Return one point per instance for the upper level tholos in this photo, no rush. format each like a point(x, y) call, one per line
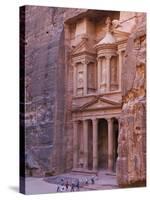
point(98, 46)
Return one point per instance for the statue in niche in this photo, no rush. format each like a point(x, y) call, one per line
point(113, 70)
point(114, 74)
point(103, 72)
point(91, 76)
point(108, 24)
point(79, 75)
point(80, 80)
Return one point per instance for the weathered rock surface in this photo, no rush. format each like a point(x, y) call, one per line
point(45, 87)
point(48, 97)
point(131, 162)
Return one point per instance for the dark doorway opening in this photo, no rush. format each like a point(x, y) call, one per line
point(115, 142)
point(102, 144)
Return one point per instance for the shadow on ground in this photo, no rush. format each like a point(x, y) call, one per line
point(14, 188)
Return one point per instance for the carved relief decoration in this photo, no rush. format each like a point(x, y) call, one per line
point(87, 80)
point(113, 73)
point(91, 77)
point(80, 78)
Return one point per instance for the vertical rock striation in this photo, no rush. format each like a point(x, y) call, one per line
point(46, 142)
point(131, 162)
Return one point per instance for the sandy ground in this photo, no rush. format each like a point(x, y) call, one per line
point(39, 186)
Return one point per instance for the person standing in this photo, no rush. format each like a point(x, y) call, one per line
point(86, 181)
point(92, 180)
point(62, 181)
point(72, 187)
point(58, 188)
point(78, 185)
point(67, 185)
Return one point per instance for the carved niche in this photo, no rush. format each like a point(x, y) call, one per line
point(103, 74)
point(80, 78)
point(113, 73)
point(91, 77)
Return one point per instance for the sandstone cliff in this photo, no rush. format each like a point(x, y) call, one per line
point(45, 139)
point(131, 162)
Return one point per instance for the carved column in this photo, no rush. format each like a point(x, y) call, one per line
point(120, 68)
point(74, 80)
point(95, 144)
point(110, 144)
point(108, 72)
point(85, 78)
point(85, 143)
point(98, 74)
point(75, 144)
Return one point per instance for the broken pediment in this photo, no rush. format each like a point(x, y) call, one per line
point(120, 35)
point(114, 33)
point(83, 47)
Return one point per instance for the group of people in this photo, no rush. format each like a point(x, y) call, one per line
point(65, 186)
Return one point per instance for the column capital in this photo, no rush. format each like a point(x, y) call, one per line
point(108, 57)
point(109, 120)
point(99, 58)
point(85, 62)
point(117, 117)
point(119, 52)
point(94, 120)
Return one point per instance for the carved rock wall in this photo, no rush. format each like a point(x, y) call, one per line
point(49, 89)
point(131, 162)
point(45, 138)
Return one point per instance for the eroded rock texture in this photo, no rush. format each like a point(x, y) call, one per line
point(45, 138)
point(49, 91)
point(131, 162)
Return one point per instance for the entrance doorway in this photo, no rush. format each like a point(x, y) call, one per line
point(103, 143)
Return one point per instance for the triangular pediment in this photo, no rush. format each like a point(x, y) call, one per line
point(99, 103)
point(82, 47)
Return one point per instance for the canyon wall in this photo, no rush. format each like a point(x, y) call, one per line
point(131, 162)
point(49, 91)
point(45, 138)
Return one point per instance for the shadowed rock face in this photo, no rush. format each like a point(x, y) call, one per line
point(131, 162)
point(45, 86)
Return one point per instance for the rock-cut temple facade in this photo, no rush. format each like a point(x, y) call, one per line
point(85, 95)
